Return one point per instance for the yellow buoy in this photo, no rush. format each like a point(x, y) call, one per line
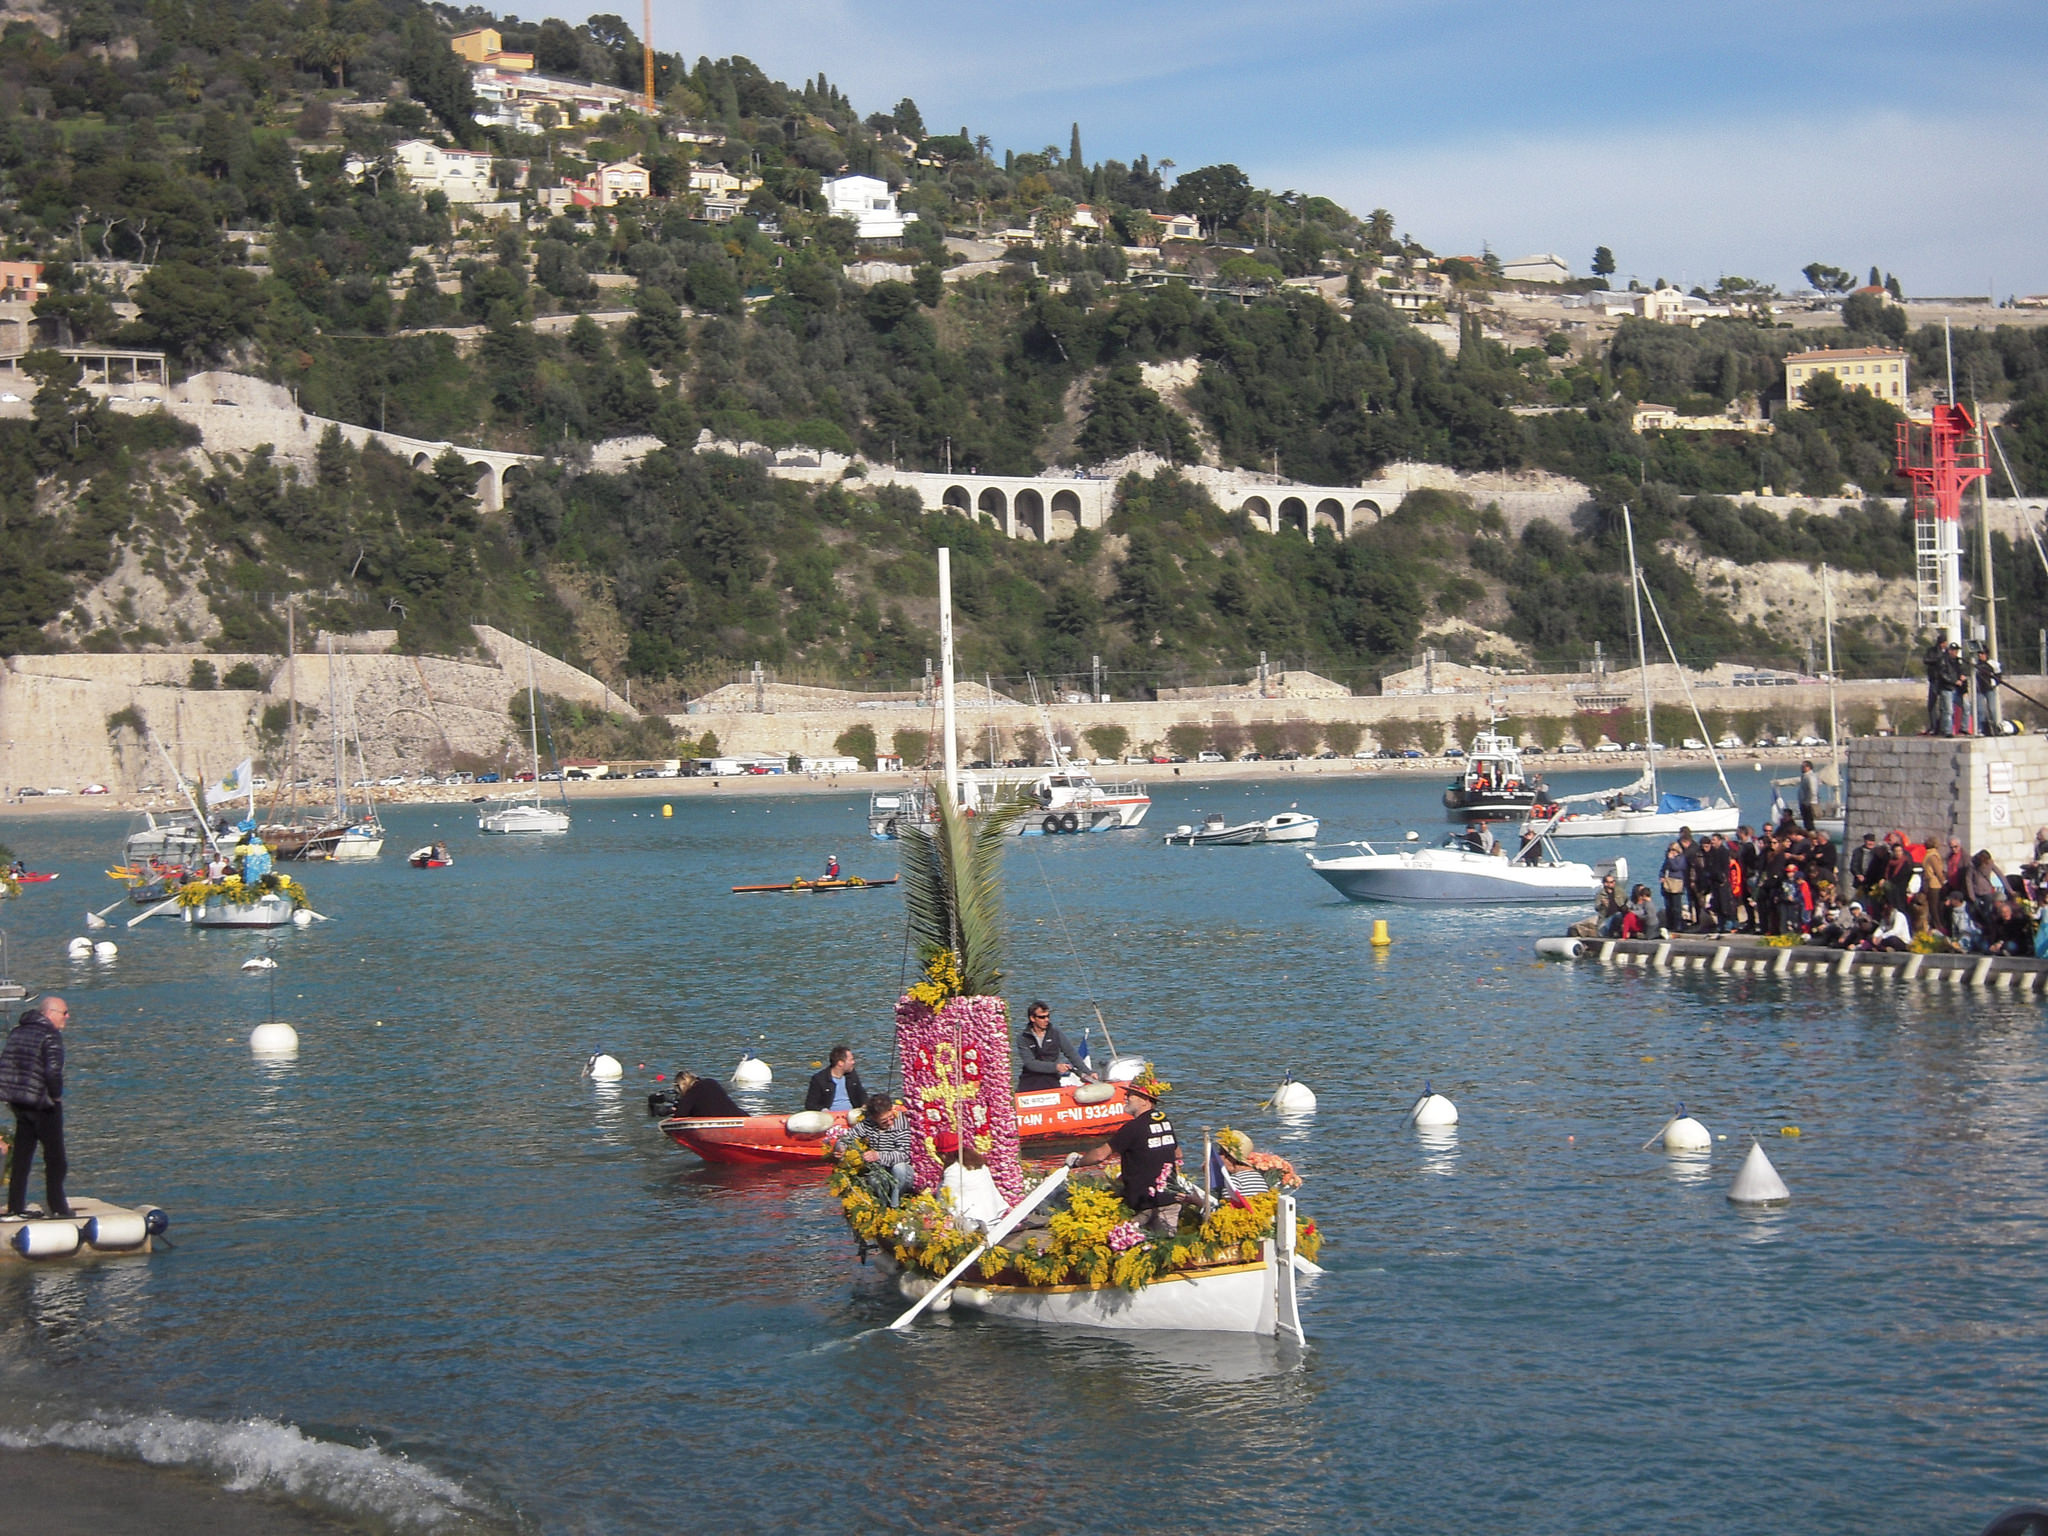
point(667, 809)
point(1788, 1130)
point(1380, 937)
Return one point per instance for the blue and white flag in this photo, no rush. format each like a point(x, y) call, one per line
point(236, 783)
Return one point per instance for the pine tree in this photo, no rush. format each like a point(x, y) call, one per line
point(1074, 160)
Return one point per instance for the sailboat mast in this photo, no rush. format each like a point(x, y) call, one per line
point(1827, 609)
point(1635, 592)
point(532, 715)
point(951, 747)
point(340, 750)
point(291, 673)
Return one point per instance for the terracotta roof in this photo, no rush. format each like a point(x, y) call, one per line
point(1847, 354)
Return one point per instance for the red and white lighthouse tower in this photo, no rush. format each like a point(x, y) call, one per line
point(1940, 459)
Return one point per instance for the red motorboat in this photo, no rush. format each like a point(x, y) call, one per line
point(1052, 1115)
point(30, 877)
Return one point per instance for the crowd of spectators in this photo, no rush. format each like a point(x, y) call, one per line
point(1789, 883)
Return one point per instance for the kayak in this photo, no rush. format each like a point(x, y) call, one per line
point(29, 877)
point(1047, 1116)
point(850, 883)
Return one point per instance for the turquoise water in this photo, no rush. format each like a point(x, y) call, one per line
point(428, 1277)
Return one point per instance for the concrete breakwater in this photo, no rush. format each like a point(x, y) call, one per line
point(69, 721)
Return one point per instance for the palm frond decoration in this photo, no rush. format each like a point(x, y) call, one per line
point(953, 896)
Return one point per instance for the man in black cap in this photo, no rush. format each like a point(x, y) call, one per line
point(1150, 1157)
point(1952, 675)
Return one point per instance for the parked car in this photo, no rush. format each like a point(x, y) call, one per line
point(646, 773)
point(1812, 741)
point(1570, 746)
point(56, 791)
point(1730, 742)
point(1454, 751)
point(94, 789)
point(1323, 757)
point(1693, 744)
point(26, 792)
point(1208, 757)
point(392, 781)
point(523, 776)
point(1411, 752)
point(554, 776)
point(1289, 756)
point(1608, 746)
point(1533, 751)
point(487, 778)
point(1251, 757)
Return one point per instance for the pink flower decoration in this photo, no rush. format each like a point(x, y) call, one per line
point(1125, 1234)
point(956, 1070)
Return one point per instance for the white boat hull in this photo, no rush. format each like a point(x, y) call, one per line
point(1720, 817)
point(1452, 876)
point(356, 848)
point(265, 912)
point(1243, 1298)
point(517, 820)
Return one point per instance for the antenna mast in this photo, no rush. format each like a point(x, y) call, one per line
point(647, 49)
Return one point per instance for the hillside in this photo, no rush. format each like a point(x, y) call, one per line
point(222, 184)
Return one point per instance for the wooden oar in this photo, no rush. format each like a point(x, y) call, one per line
point(996, 1234)
point(162, 906)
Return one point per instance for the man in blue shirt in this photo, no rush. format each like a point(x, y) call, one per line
point(838, 1085)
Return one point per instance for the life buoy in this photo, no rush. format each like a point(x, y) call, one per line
point(1050, 825)
point(1070, 822)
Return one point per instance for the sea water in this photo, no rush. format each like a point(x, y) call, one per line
point(428, 1277)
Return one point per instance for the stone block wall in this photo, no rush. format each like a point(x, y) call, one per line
point(1992, 792)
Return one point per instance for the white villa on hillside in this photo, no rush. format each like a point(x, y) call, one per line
point(868, 201)
point(1545, 268)
point(460, 175)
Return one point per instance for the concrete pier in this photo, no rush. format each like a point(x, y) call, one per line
point(1744, 956)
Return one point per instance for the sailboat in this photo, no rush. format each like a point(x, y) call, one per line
point(1642, 809)
point(524, 814)
point(339, 837)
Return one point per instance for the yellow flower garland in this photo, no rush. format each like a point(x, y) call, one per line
point(231, 889)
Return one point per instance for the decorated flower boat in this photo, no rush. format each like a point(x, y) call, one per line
point(1067, 1251)
point(272, 900)
point(1087, 1110)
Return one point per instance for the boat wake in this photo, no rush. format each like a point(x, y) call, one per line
point(256, 1455)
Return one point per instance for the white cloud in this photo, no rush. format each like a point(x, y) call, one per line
point(1947, 206)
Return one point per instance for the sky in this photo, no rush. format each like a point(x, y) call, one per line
point(1745, 137)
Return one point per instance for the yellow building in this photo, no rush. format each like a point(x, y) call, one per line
point(485, 45)
point(1880, 370)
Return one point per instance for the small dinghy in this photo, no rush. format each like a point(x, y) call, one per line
point(1214, 832)
point(1072, 1112)
point(433, 856)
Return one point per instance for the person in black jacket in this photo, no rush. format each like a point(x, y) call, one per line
point(838, 1086)
point(1045, 1051)
point(703, 1098)
point(32, 1081)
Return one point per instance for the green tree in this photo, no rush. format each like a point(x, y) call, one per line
point(1823, 278)
point(909, 121)
point(1125, 415)
point(66, 416)
point(1187, 738)
point(1603, 261)
point(1430, 734)
point(1394, 735)
point(1343, 736)
point(1549, 731)
point(857, 741)
point(1106, 740)
point(203, 676)
point(197, 312)
point(912, 746)
point(1215, 194)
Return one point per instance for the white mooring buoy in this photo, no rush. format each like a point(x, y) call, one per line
point(1292, 1098)
point(106, 949)
point(259, 963)
point(1433, 1110)
point(1758, 1182)
point(605, 1068)
point(274, 1039)
point(752, 1072)
point(79, 948)
point(1682, 1133)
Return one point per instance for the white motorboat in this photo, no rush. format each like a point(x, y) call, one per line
point(362, 841)
point(176, 837)
point(1216, 832)
point(1460, 873)
point(1070, 800)
point(1492, 782)
point(521, 814)
point(1641, 809)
